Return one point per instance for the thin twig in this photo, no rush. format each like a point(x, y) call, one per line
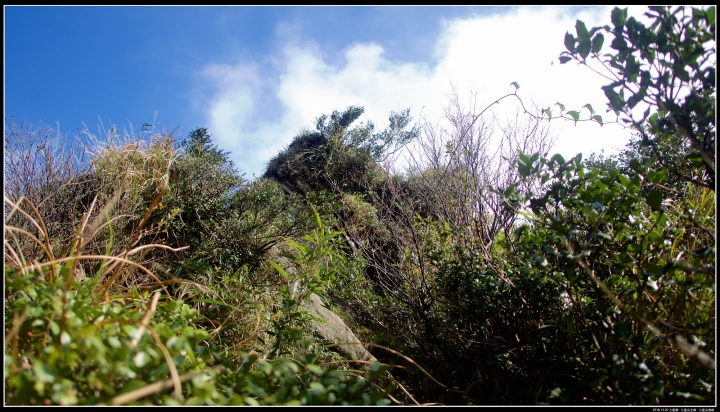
point(416, 365)
point(402, 388)
point(158, 386)
point(252, 335)
point(145, 320)
point(31, 236)
point(102, 257)
point(17, 321)
point(168, 359)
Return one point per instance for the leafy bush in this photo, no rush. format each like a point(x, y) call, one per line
point(670, 67)
point(55, 327)
point(637, 274)
point(143, 346)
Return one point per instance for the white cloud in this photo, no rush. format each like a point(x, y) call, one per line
point(485, 52)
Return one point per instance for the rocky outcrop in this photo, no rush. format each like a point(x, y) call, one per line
point(333, 328)
point(336, 331)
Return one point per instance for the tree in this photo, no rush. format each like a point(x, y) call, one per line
point(336, 157)
point(670, 66)
point(636, 266)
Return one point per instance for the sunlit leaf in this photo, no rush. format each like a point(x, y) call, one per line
point(141, 359)
point(540, 260)
point(574, 114)
point(603, 235)
point(43, 372)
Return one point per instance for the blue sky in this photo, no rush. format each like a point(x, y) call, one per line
point(255, 76)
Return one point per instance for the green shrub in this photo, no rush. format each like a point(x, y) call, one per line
point(637, 273)
point(141, 347)
point(67, 347)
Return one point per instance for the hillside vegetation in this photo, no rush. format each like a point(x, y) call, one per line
point(144, 269)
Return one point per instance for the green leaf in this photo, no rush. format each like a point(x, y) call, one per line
point(597, 43)
point(636, 165)
point(632, 68)
point(558, 158)
point(43, 372)
point(65, 338)
point(548, 112)
point(559, 227)
point(281, 271)
point(555, 393)
point(523, 157)
point(710, 16)
point(314, 369)
point(680, 72)
point(114, 342)
point(619, 16)
point(584, 48)
point(582, 31)
point(589, 107)
point(598, 119)
point(251, 401)
point(519, 231)
point(54, 328)
point(659, 176)
point(624, 180)
point(141, 359)
point(540, 260)
point(562, 106)
point(616, 101)
point(574, 114)
point(517, 86)
point(590, 213)
point(654, 200)
point(619, 44)
point(132, 385)
point(564, 59)
point(604, 235)
point(570, 42)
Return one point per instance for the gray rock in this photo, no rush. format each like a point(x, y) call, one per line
point(336, 331)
